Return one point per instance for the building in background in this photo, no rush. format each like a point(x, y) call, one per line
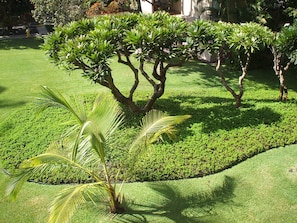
point(200, 9)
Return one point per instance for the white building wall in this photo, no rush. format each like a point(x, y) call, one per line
point(190, 8)
point(147, 6)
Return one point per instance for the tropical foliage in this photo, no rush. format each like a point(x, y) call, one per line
point(13, 12)
point(284, 50)
point(227, 39)
point(273, 13)
point(91, 132)
point(59, 12)
point(88, 45)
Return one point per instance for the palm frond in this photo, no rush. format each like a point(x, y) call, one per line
point(80, 140)
point(97, 126)
point(155, 124)
point(39, 164)
point(104, 119)
point(65, 204)
point(106, 116)
point(53, 98)
point(16, 183)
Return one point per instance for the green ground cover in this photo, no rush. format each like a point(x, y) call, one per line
point(261, 189)
point(216, 137)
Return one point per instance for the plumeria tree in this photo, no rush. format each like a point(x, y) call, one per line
point(92, 132)
point(88, 45)
point(284, 50)
point(224, 39)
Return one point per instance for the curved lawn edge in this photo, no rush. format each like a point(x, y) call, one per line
point(261, 188)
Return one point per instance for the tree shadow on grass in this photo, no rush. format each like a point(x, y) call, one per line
point(173, 206)
point(21, 44)
point(218, 113)
point(2, 89)
point(7, 103)
point(204, 72)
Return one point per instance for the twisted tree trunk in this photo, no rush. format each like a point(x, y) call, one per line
point(279, 70)
point(244, 67)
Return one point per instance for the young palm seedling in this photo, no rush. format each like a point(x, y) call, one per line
point(93, 133)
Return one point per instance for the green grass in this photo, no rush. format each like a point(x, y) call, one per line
point(24, 67)
point(217, 136)
point(261, 189)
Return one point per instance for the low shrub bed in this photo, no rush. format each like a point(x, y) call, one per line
point(217, 136)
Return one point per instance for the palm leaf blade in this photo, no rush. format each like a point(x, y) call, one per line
point(156, 123)
point(65, 204)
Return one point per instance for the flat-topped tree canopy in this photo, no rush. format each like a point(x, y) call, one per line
point(89, 44)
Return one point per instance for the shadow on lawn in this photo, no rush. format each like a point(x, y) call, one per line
point(217, 112)
point(20, 44)
point(198, 207)
point(210, 78)
point(2, 89)
point(6, 103)
point(206, 74)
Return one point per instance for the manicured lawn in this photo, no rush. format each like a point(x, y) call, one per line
point(23, 68)
point(260, 189)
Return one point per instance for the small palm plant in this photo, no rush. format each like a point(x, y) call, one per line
point(92, 131)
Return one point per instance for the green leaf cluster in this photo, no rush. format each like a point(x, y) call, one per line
point(89, 44)
point(222, 37)
point(286, 42)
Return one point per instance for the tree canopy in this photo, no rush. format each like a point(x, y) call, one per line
point(272, 13)
point(89, 45)
point(59, 12)
point(225, 39)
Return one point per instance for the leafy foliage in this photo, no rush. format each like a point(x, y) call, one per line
point(13, 12)
point(284, 51)
point(273, 13)
point(286, 42)
point(91, 132)
point(89, 44)
point(225, 39)
point(215, 138)
point(59, 12)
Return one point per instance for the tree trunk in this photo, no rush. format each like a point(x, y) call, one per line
point(115, 205)
point(224, 82)
point(238, 101)
point(244, 67)
point(119, 96)
point(283, 91)
point(158, 84)
point(279, 70)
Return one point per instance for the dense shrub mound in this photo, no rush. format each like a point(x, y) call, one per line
point(215, 138)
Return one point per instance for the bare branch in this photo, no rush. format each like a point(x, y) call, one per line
point(147, 77)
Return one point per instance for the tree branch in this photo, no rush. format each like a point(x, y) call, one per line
point(135, 71)
point(147, 77)
point(223, 80)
